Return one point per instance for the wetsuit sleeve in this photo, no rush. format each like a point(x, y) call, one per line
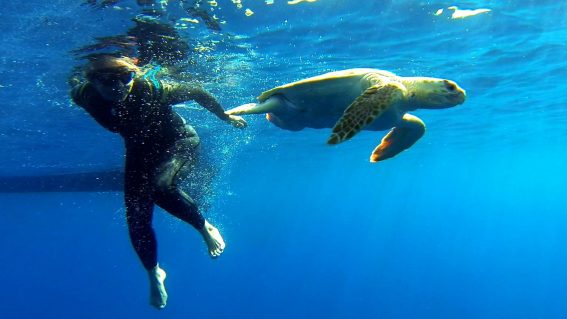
point(174, 93)
point(83, 96)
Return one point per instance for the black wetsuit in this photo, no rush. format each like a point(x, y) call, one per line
point(160, 150)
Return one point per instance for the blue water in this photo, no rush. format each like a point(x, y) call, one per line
point(468, 223)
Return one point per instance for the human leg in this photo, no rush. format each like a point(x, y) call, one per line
point(139, 212)
point(176, 166)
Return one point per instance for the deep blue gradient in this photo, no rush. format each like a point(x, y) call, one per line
point(468, 223)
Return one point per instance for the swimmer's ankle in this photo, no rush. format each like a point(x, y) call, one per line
point(206, 226)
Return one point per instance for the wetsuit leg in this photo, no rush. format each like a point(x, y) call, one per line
point(139, 209)
point(176, 165)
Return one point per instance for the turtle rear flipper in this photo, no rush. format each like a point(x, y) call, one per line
point(399, 138)
point(365, 108)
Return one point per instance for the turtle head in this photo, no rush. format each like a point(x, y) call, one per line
point(433, 93)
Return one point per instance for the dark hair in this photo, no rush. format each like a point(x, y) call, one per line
point(108, 62)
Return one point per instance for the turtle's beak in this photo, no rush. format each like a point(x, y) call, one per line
point(456, 93)
point(452, 95)
point(459, 96)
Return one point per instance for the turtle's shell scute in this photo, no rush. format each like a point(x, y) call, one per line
point(324, 84)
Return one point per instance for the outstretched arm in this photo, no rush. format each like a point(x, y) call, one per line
point(174, 93)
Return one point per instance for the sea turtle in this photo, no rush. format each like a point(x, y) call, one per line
point(355, 99)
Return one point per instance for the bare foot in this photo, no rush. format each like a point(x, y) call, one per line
point(158, 295)
point(213, 239)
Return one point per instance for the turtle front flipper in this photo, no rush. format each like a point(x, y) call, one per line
point(249, 108)
point(269, 105)
point(365, 108)
point(399, 138)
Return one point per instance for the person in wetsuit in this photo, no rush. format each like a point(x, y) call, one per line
point(160, 151)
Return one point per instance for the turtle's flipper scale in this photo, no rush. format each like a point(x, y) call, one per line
point(365, 108)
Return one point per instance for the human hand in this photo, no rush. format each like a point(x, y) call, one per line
point(237, 121)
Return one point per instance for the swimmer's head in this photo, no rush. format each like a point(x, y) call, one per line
point(113, 77)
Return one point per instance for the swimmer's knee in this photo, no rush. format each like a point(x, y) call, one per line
point(165, 184)
point(165, 180)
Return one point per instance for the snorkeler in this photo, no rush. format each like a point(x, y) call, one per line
point(161, 149)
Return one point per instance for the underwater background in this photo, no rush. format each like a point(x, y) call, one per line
point(468, 223)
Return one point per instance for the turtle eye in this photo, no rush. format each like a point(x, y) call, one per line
point(450, 86)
